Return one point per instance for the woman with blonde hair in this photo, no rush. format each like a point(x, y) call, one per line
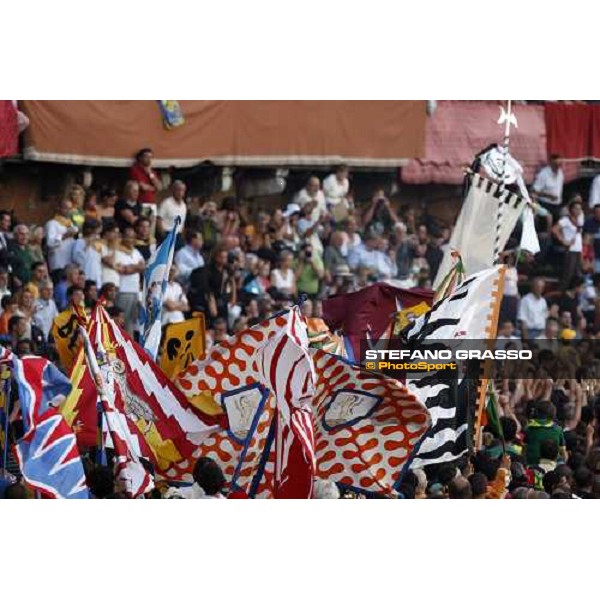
point(76, 195)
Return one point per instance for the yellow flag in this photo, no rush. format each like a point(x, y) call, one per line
point(182, 344)
point(66, 337)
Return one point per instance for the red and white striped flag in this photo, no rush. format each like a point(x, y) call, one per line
point(163, 427)
point(262, 379)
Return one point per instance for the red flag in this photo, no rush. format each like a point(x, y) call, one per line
point(369, 312)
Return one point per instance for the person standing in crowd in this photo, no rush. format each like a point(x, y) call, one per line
point(370, 258)
point(72, 276)
point(20, 255)
point(5, 229)
point(87, 252)
point(76, 195)
point(591, 227)
point(111, 241)
point(145, 243)
point(175, 302)
point(548, 185)
point(333, 257)
point(209, 227)
point(310, 272)
point(212, 288)
point(39, 277)
point(129, 208)
point(129, 263)
point(568, 233)
point(105, 210)
point(148, 180)
point(283, 279)
point(533, 311)
point(510, 300)
point(170, 208)
point(45, 310)
point(336, 188)
point(190, 256)
point(312, 195)
point(60, 237)
point(380, 217)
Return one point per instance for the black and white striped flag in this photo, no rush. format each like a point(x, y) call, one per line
point(469, 313)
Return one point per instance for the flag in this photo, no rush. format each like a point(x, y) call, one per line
point(369, 312)
point(49, 459)
point(135, 481)
point(171, 113)
point(319, 336)
point(492, 413)
point(182, 344)
point(454, 278)
point(166, 427)
point(156, 278)
point(41, 386)
point(65, 334)
point(47, 453)
point(366, 425)
point(262, 380)
point(529, 238)
point(471, 312)
point(479, 234)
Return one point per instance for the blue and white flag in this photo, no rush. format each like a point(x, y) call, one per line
point(156, 278)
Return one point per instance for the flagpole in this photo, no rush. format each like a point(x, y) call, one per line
point(508, 119)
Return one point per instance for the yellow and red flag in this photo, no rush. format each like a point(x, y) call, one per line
point(166, 427)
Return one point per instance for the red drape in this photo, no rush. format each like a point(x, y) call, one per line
point(573, 130)
point(9, 134)
point(568, 129)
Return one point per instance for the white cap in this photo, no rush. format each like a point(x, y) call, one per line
point(291, 209)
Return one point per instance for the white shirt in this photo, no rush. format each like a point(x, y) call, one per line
point(45, 312)
point(587, 301)
point(511, 279)
point(175, 293)
point(570, 231)
point(109, 275)
point(282, 282)
point(89, 259)
point(59, 249)
point(168, 210)
point(533, 311)
point(187, 259)
point(303, 198)
point(595, 191)
point(335, 191)
point(375, 260)
point(130, 284)
point(549, 181)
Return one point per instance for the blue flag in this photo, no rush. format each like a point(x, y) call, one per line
point(156, 278)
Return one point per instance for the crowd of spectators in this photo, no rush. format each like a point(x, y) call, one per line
point(234, 263)
point(238, 264)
